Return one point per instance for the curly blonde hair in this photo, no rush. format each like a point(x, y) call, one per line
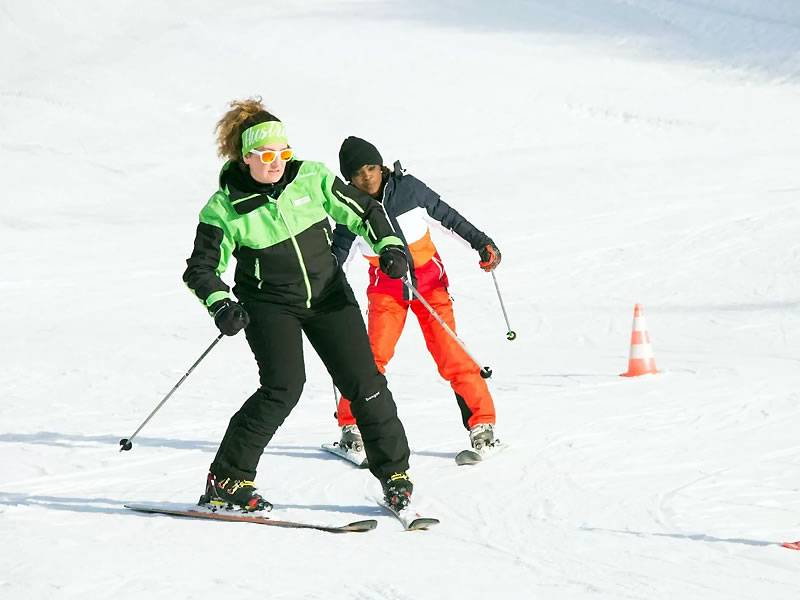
point(242, 115)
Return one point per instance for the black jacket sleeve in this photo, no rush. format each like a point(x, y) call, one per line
point(448, 216)
point(201, 271)
point(371, 220)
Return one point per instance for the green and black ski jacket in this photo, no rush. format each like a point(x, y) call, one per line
point(279, 234)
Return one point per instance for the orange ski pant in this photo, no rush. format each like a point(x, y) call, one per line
point(386, 318)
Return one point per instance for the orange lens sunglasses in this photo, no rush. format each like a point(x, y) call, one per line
point(269, 156)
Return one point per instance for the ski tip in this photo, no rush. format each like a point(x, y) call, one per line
point(791, 545)
point(468, 457)
point(410, 518)
point(422, 523)
point(365, 525)
point(471, 456)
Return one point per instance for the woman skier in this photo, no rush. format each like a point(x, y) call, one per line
point(271, 213)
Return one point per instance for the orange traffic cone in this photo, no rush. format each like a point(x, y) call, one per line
point(641, 361)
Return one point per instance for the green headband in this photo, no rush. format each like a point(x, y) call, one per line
point(271, 132)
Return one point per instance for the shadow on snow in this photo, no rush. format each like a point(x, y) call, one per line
point(72, 440)
point(109, 506)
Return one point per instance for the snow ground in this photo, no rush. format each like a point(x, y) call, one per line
point(617, 151)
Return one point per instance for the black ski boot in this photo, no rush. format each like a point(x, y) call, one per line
point(226, 493)
point(397, 491)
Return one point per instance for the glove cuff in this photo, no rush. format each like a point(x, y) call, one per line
point(218, 306)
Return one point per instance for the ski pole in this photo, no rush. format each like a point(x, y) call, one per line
point(125, 443)
point(510, 334)
point(335, 400)
point(486, 372)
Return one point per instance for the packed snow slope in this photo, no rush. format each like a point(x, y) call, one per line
point(618, 152)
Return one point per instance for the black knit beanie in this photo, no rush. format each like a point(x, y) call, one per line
point(354, 154)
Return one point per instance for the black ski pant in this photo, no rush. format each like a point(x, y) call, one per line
point(336, 330)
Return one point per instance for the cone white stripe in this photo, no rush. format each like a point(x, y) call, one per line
point(641, 351)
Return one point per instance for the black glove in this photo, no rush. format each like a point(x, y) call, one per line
point(394, 262)
point(230, 317)
point(490, 257)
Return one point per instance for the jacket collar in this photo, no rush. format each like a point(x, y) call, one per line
point(245, 193)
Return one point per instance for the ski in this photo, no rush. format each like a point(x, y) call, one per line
point(199, 512)
point(357, 458)
point(791, 545)
point(472, 456)
point(410, 518)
